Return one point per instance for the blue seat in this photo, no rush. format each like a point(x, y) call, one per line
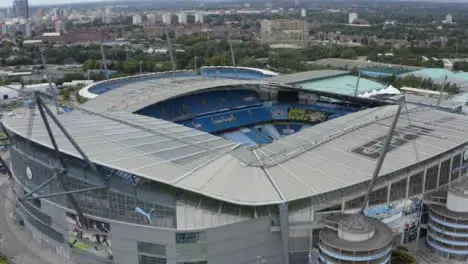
point(258, 137)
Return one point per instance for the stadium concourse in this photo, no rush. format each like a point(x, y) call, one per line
point(222, 170)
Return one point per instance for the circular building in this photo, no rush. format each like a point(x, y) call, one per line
point(357, 239)
point(447, 232)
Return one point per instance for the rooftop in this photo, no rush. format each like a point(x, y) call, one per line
point(381, 239)
point(311, 162)
point(134, 96)
point(357, 223)
point(342, 85)
point(307, 76)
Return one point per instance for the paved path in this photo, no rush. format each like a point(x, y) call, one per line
point(17, 243)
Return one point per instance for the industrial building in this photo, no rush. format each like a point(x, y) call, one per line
point(266, 172)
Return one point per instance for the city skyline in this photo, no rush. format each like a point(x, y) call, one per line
point(65, 2)
point(52, 2)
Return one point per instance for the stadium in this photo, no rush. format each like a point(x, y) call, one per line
point(182, 168)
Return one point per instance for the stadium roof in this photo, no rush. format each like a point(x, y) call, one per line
point(306, 76)
point(262, 71)
point(332, 155)
point(342, 85)
point(134, 96)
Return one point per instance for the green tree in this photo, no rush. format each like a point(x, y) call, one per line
point(400, 256)
point(348, 54)
point(91, 65)
point(218, 60)
point(80, 99)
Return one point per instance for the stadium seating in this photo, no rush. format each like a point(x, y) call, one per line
point(233, 119)
point(256, 136)
point(230, 73)
point(240, 115)
point(288, 129)
point(204, 103)
point(269, 130)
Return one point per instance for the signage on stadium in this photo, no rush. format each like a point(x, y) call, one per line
point(306, 115)
point(279, 113)
point(224, 119)
point(401, 136)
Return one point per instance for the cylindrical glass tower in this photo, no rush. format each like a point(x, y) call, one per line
point(447, 233)
point(358, 239)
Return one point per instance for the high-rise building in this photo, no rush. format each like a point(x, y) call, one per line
point(21, 8)
point(448, 18)
point(167, 18)
point(58, 26)
point(137, 20)
point(199, 18)
point(287, 32)
point(27, 30)
point(4, 28)
point(303, 12)
point(352, 17)
point(153, 18)
point(3, 13)
point(182, 17)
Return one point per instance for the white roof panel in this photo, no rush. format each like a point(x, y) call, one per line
point(336, 154)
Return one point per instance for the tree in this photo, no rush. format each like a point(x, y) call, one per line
point(348, 54)
point(91, 65)
point(400, 256)
point(217, 60)
point(460, 66)
point(80, 99)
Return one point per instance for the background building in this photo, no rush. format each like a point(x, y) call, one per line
point(182, 17)
point(286, 32)
point(448, 19)
point(21, 8)
point(199, 18)
point(153, 18)
point(352, 17)
point(167, 18)
point(137, 20)
point(303, 12)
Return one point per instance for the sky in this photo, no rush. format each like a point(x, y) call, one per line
point(6, 3)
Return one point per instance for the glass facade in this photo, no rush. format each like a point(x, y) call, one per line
point(150, 253)
point(190, 238)
point(431, 178)
point(108, 203)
